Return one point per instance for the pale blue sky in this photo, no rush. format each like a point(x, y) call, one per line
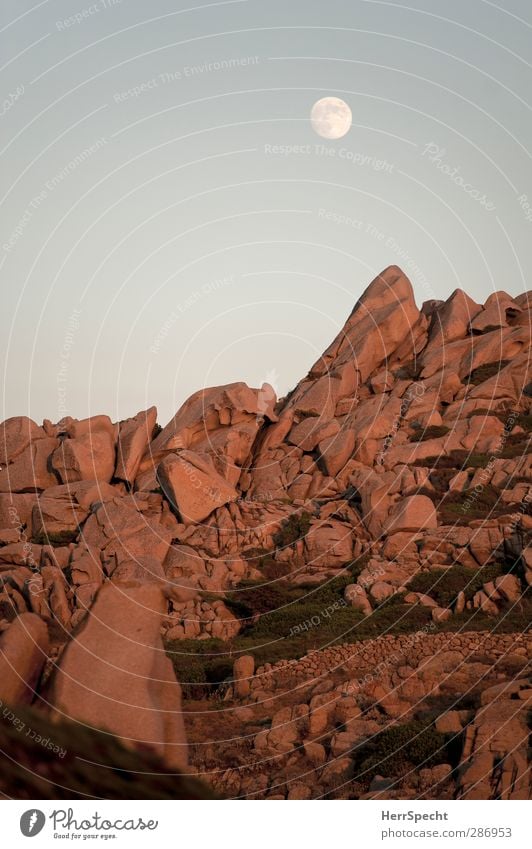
point(152, 243)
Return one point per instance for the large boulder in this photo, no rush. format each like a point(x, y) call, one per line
point(134, 437)
point(23, 652)
point(221, 422)
point(90, 456)
point(121, 532)
point(30, 470)
point(115, 674)
point(16, 509)
point(193, 486)
point(328, 544)
point(243, 669)
point(415, 513)
point(15, 436)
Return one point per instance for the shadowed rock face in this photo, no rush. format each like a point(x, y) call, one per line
point(115, 674)
point(77, 762)
point(391, 486)
point(23, 652)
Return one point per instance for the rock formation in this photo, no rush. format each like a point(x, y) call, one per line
point(387, 495)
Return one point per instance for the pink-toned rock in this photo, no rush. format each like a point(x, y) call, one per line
point(90, 456)
point(415, 513)
point(16, 509)
point(21, 554)
point(16, 434)
point(116, 676)
point(328, 544)
point(451, 321)
point(380, 591)
point(509, 587)
point(498, 309)
point(57, 514)
point(121, 532)
point(193, 486)
point(400, 545)
point(30, 470)
point(134, 437)
point(222, 422)
point(484, 542)
point(243, 669)
point(356, 597)
point(441, 614)
point(78, 428)
point(312, 430)
point(23, 652)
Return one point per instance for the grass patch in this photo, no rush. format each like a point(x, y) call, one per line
point(443, 585)
point(515, 619)
point(398, 749)
point(471, 504)
point(456, 460)
point(308, 619)
point(56, 539)
point(516, 445)
point(482, 373)
point(432, 432)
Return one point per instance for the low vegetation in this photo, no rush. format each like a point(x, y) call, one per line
point(294, 528)
point(81, 761)
point(484, 372)
point(399, 749)
point(443, 585)
point(431, 432)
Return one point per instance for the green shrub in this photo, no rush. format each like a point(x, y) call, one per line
point(525, 421)
point(472, 504)
point(512, 620)
point(400, 748)
point(294, 528)
point(443, 585)
point(408, 371)
point(57, 538)
point(482, 373)
point(432, 432)
point(312, 621)
point(457, 460)
point(516, 445)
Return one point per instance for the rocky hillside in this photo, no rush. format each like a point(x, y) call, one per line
point(339, 579)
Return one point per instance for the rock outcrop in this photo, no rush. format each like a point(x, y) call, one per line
point(115, 675)
point(387, 496)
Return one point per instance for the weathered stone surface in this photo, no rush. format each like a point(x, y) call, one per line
point(16, 434)
point(243, 669)
point(30, 471)
point(134, 437)
point(16, 509)
point(414, 513)
point(193, 486)
point(90, 456)
point(116, 676)
point(221, 422)
point(23, 652)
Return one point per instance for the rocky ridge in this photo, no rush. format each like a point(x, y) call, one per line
point(388, 493)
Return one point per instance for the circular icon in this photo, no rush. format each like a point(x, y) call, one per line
point(32, 822)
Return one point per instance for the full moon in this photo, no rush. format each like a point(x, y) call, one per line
point(331, 118)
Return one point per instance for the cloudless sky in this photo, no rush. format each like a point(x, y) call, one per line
point(170, 220)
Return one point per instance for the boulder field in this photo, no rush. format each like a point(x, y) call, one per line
point(396, 476)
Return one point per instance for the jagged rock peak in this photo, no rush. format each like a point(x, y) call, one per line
point(391, 286)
